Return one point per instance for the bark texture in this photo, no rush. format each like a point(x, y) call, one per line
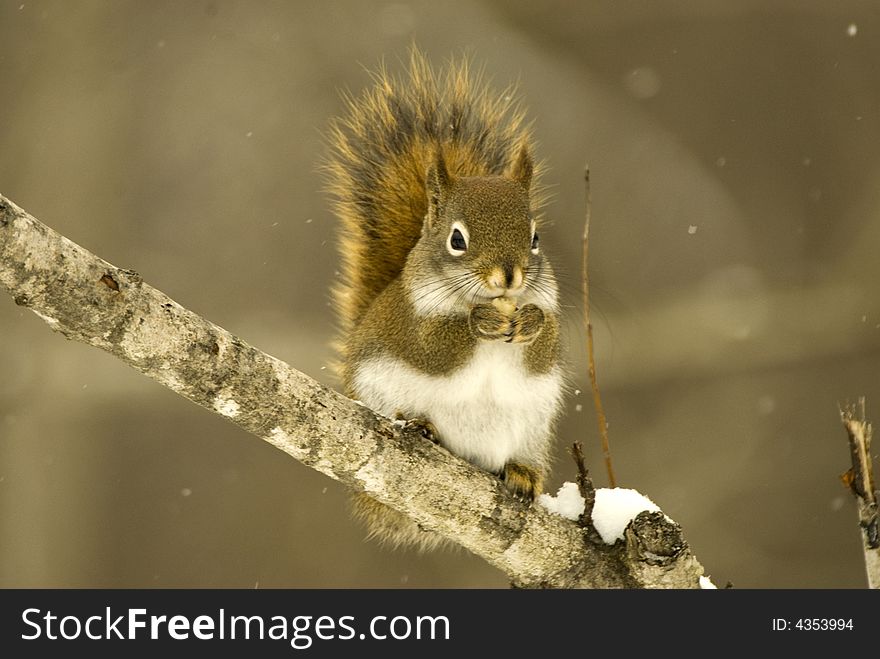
point(87, 299)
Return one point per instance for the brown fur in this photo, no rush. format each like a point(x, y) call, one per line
point(380, 152)
point(413, 155)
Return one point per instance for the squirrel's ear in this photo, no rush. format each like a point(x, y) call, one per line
point(521, 170)
point(437, 183)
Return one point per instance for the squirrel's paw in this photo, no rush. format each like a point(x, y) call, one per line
point(523, 481)
point(528, 322)
point(488, 322)
point(424, 427)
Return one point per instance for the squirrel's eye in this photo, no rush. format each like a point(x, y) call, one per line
point(535, 243)
point(457, 242)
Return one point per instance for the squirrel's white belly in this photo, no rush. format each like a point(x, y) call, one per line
point(489, 411)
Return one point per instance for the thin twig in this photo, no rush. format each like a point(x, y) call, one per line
point(594, 384)
point(585, 485)
point(860, 480)
point(90, 300)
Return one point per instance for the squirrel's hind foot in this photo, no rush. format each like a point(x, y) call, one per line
point(523, 481)
point(421, 425)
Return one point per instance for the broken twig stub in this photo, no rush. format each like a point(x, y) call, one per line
point(860, 480)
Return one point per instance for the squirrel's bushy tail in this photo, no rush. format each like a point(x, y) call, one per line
point(379, 154)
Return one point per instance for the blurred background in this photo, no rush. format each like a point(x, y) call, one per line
point(736, 222)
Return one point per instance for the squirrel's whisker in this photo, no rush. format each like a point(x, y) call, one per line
point(436, 188)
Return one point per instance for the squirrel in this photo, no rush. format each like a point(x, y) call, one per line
point(448, 307)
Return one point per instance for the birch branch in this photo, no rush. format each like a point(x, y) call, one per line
point(87, 299)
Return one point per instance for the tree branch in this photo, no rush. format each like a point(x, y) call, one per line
point(89, 300)
point(591, 358)
point(860, 479)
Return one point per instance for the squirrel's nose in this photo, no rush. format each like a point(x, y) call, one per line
point(513, 276)
point(508, 276)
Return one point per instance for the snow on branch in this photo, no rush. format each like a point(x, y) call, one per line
point(87, 299)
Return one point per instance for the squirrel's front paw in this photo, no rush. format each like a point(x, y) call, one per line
point(523, 481)
point(488, 322)
point(528, 322)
